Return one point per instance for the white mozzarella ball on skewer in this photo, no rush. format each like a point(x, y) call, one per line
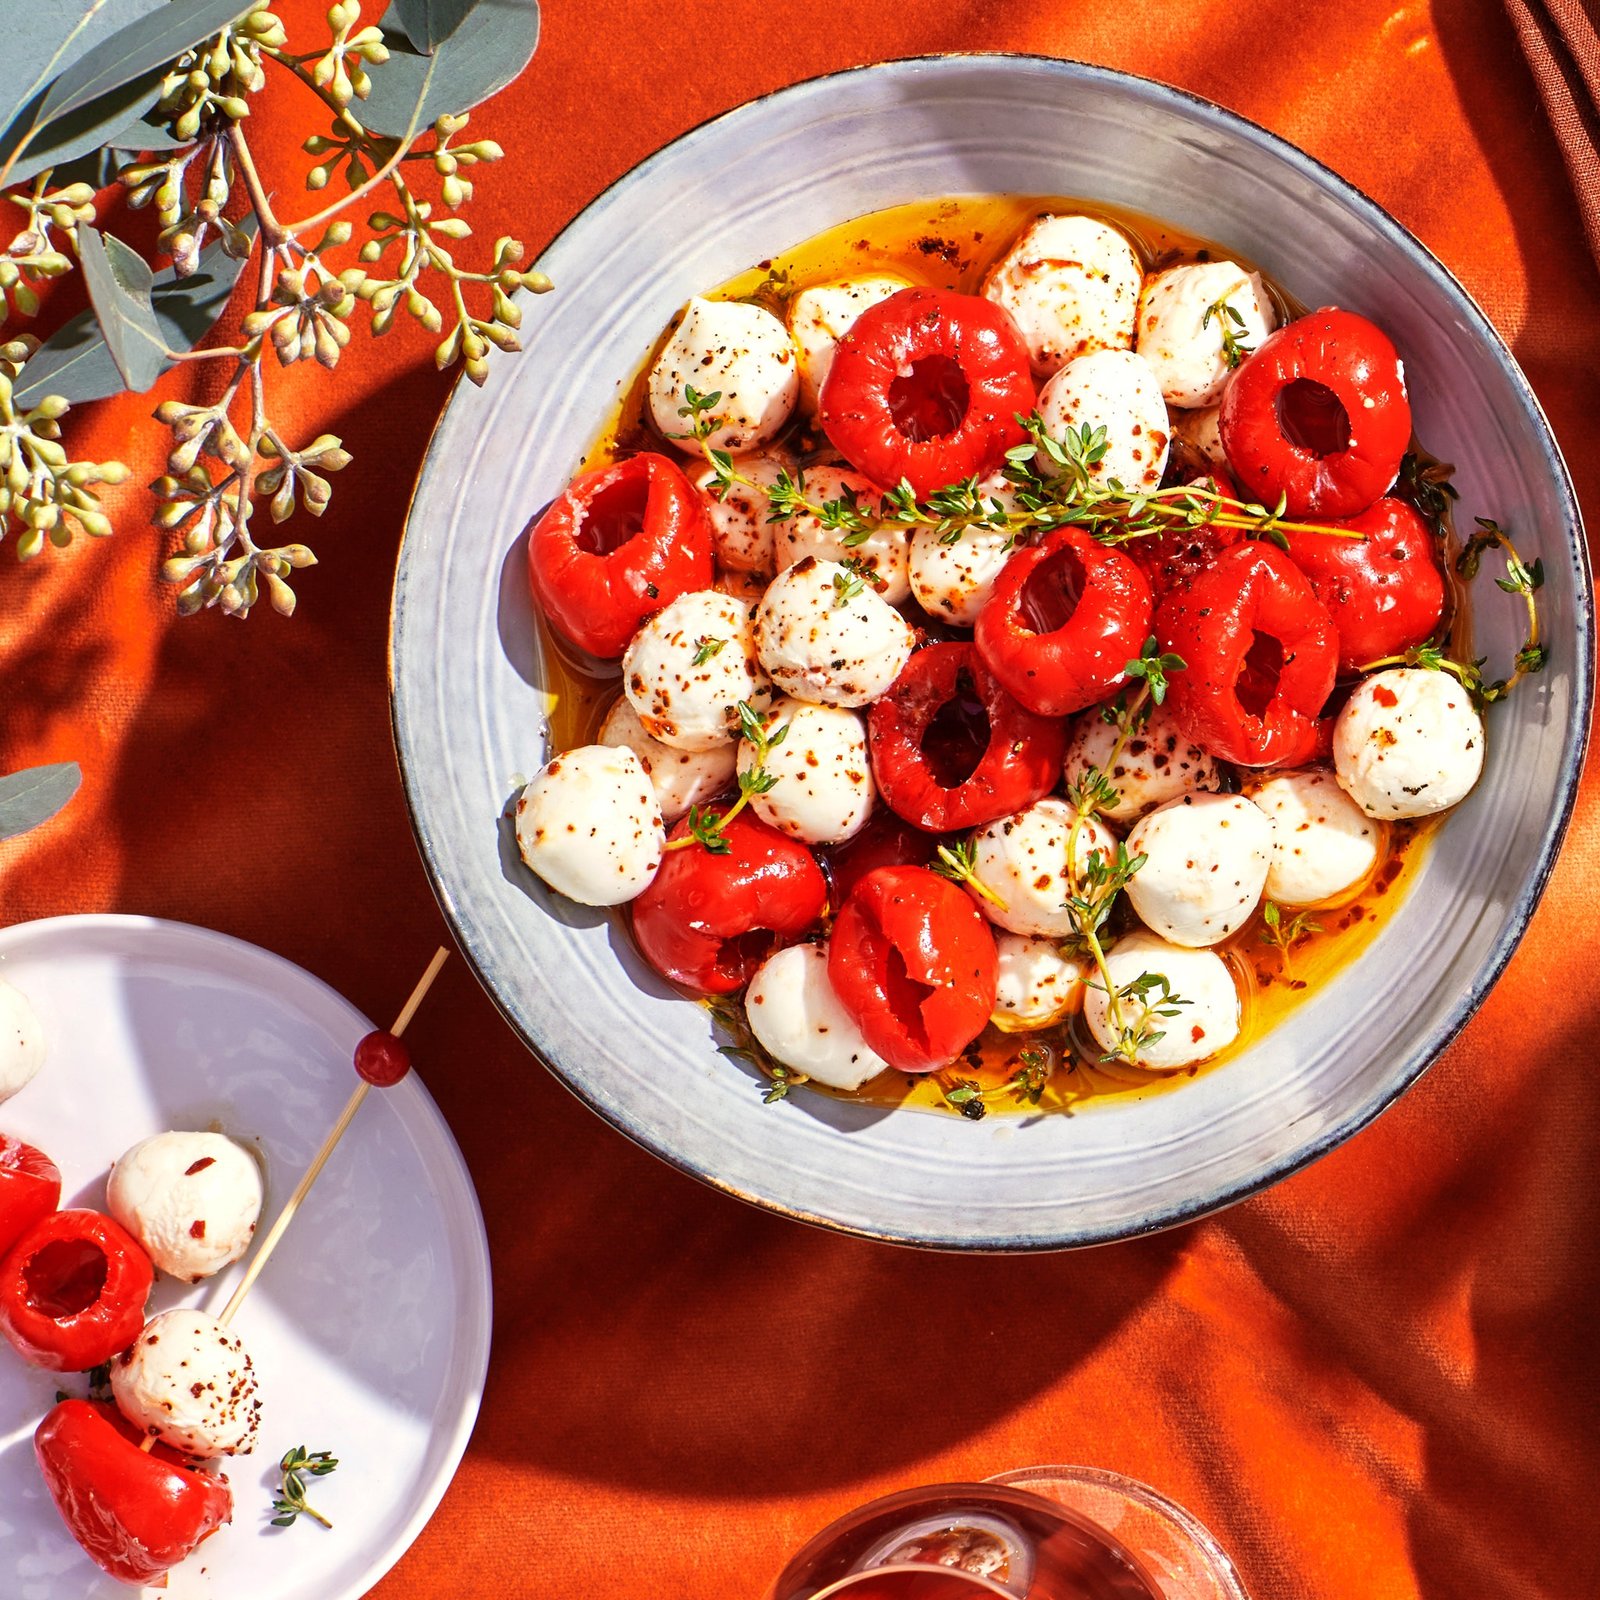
point(1206, 1022)
point(1071, 285)
point(1408, 743)
point(680, 778)
point(821, 315)
point(739, 352)
point(1206, 862)
point(881, 555)
point(824, 635)
point(822, 790)
point(793, 1010)
point(191, 1199)
point(741, 535)
point(1117, 391)
point(1038, 986)
point(589, 824)
point(1022, 861)
point(1157, 764)
point(1189, 315)
point(1323, 843)
point(22, 1047)
point(688, 667)
point(189, 1381)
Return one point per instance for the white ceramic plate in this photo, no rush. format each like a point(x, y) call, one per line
point(370, 1326)
point(470, 707)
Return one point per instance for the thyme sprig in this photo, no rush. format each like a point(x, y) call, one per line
point(1068, 494)
point(1092, 889)
point(958, 863)
point(296, 1466)
point(1152, 1000)
point(1228, 319)
point(1026, 1085)
point(1283, 933)
point(1522, 578)
point(778, 1079)
point(707, 826)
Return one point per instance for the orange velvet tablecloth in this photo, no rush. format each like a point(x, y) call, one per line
point(1377, 1380)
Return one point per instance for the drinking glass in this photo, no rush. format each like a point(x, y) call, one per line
point(1045, 1533)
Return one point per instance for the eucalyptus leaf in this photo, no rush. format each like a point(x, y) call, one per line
point(100, 166)
point(75, 362)
point(119, 74)
point(494, 42)
point(119, 281)
point(428, 23)
point(80, 133)
point(34, 795)
point(45, 37)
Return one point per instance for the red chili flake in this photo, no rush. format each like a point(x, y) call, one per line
point(201, 1165)
point(1384, 696)
point(1197, 1033)
point(197, 1229)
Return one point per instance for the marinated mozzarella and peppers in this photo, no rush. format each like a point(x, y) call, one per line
point(1032, 651)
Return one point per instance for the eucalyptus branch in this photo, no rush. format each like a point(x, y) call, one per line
point(228, 458)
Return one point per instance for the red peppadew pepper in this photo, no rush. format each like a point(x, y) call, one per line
point(914, 963)
point(1260, 654)
point(614, 547)
point(136, 1513)
point(709, 920)
point(952, 749)
point(1384, 592)
point(1066, 616)
point(886, 841)
point(30, 1189)
point(1318, 414)
point(73, 1290)
point(926, 387)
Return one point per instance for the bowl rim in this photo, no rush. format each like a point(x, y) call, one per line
point(1577, 733)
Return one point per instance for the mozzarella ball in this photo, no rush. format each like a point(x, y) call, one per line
point(819, 317)
point(1157, 763)
point(590, 825)
point(190, 1382)
point(822, 791)
point(21, 1041)
point(1181, 335)
point(1072, 285)
point(738, 352)
point(191, 1199)
point(1206, 863)
point(1207, 1022)
point(1201, 431)
point(689, 666)
point(1022, 859)
point(793, 1010)
point(882, 553)
point(741, 535)
point(1323, 843)
point(953, 582)
point(1408, 743)
point(1037, 986)
point(680, 778)
point(821, 642)
point(1117, 391)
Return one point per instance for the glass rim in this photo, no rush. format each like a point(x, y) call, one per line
point(920, 1569)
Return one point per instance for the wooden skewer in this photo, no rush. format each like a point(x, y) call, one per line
point(320, 1160)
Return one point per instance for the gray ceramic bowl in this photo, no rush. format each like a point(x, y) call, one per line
point(469, 709)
